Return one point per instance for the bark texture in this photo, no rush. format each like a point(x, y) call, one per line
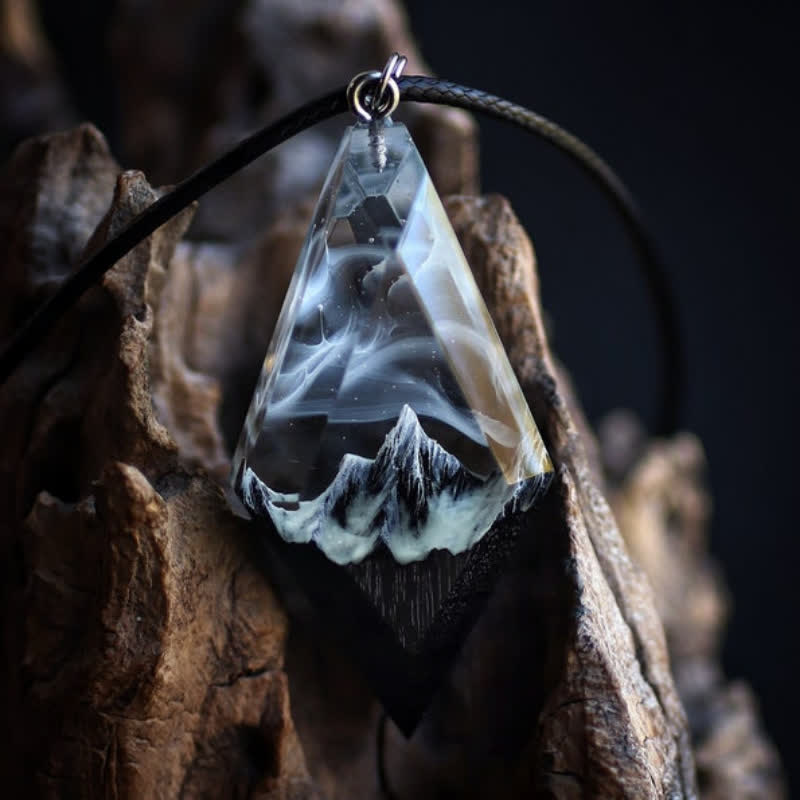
point(144, 650)
point(150, 648)
point(663, 511)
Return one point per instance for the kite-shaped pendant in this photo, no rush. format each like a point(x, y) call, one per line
point(388, 442)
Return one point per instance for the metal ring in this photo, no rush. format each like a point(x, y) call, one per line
point(376, 104)
point(391, 71)
point(366, 107)
point(354, 90)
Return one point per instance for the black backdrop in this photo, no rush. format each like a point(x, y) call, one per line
point(696, 106)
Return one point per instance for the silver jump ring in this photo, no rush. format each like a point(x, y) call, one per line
point(391, 71)
point(376, 104)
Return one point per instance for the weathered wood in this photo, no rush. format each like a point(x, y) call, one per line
point(145, 650)
point(149, 649)
point(146, 647)
point(663, 510)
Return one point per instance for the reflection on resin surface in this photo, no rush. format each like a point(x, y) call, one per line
point(386, 409)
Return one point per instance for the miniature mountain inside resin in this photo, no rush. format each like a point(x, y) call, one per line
point(414, 496)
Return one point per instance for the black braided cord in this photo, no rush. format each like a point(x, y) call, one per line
point(412, 88)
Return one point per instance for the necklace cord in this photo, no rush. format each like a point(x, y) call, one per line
point(412, 88)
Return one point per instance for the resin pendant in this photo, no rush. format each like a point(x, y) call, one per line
point(387, 432)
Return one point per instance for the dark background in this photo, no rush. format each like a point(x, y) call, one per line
point(695, 105)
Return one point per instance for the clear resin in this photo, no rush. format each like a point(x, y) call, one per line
point(386, 410)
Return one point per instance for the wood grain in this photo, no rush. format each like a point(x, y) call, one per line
point(151, 649)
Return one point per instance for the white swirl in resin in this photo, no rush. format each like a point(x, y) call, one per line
point(387, 409)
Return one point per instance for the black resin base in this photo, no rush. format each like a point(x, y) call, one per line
point(403, 624)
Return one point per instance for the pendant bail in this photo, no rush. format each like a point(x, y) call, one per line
point(383, 96)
